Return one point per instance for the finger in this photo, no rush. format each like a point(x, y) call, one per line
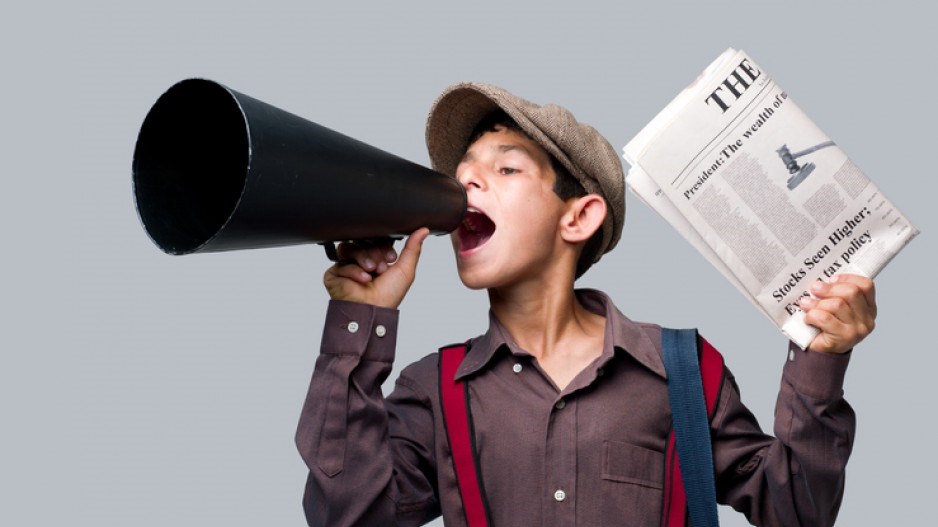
point(391, 255)
point(865, 285)
point(385, 253)
point(410, 254)
point(377, 254)
point(851, 293)
point(825, 321)
point(350, 271)
point(835, 305)
point(355, 251)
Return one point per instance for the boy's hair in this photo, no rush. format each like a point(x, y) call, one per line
point(565, 185)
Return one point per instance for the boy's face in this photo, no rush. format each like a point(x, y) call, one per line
point(510, 233)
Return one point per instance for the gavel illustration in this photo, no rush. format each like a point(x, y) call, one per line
point(217, 170)
point(799, 172)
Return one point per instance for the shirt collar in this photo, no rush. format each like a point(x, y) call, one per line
point(621, 335)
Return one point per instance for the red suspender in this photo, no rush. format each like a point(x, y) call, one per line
point(454, 396)
point(674, 513)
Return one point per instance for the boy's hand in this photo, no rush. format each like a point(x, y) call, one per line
point(844, 309)
point(373, 277)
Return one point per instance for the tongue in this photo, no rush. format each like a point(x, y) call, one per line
point(469, 240)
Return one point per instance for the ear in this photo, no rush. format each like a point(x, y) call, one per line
point(583, 216)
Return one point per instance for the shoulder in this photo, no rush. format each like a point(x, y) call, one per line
point(652, 331)
point(425, 368)
point(423, 375)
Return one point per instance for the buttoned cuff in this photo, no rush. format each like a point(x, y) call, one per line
point(363, 330)
point(817, 375)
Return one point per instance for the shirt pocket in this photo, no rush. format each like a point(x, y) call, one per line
point(627, 463)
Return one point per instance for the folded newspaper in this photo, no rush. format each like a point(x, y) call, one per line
point(747, 178)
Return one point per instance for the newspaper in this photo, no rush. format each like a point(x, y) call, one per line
point(754, 185)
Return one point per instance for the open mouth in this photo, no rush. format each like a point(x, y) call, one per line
point(476, 229)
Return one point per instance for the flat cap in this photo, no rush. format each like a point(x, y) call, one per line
point(583, 151)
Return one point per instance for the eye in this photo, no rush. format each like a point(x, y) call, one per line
point(505, 171)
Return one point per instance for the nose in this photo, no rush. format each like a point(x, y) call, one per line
point(469, 174)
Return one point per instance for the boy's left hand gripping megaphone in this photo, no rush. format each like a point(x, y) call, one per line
point(217, 170)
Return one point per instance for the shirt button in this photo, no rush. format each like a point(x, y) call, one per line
point(791, 355)
point(352, 327)
point(380, 331)
point(559, 405)
point(560, 495)
point(600, 372)
point(516, 368)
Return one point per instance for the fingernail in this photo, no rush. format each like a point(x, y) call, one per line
point(369, 264)
point(391, 256)
point(817, 287)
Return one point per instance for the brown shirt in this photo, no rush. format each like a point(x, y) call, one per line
point(589, 455)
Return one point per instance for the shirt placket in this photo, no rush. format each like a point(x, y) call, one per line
point(560, 460)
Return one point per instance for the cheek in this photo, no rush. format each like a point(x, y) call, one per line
point(537, 217)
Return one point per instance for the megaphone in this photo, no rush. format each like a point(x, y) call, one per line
point(217, 170)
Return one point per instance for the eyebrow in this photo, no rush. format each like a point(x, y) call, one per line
point(501, 149)
point(509, 148)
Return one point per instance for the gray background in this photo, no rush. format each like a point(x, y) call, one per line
point(142, 389)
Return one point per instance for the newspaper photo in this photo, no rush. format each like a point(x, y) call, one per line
point(761, 192)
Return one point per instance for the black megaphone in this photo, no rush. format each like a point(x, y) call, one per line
point(217, 170)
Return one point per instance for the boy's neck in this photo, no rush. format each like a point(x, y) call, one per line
point(546, 320)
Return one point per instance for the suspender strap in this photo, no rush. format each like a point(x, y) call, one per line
point(698, 390)
point(693, 389)
point(457, 419)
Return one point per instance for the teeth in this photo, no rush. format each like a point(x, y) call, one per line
point(469, 220)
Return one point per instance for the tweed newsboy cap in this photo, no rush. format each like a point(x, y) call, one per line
point(578, 147)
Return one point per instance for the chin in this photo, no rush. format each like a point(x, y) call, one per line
point(491, 275)
point(475, 280)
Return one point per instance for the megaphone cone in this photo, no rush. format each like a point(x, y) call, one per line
point(217, 170)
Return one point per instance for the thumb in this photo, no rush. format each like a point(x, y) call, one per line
point(410, 254)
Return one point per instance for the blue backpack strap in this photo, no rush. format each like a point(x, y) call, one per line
point(457, 420)
point(693, 390)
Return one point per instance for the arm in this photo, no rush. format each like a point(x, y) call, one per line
point(797, 478)
point(360, 473)
point(370, 460)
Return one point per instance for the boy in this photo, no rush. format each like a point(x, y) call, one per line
point(568, 397)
